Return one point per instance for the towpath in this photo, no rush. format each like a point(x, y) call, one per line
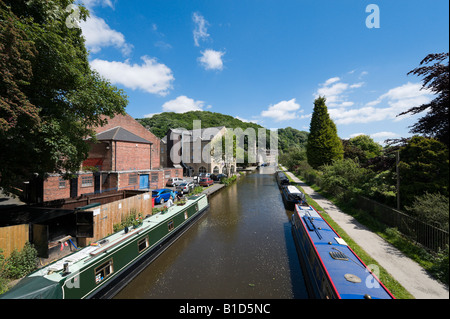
point(406, 271)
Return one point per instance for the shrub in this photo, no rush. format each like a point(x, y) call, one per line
point(432, 208)
point(19, 263)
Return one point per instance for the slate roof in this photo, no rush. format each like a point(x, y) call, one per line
point(120, 134)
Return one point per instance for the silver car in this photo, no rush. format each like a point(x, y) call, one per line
point(185, 187)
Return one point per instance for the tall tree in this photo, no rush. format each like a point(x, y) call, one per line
point(424, 167)
point(50, 98)
point(324, 145)
point(435, 78)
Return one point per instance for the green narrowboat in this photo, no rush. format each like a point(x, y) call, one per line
point(102, 269)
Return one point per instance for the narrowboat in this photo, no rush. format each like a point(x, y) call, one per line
point(281, 179)
point(102, 269)
point(291, 196)
point(331, 268)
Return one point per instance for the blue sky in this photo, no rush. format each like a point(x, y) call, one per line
point(266, 61)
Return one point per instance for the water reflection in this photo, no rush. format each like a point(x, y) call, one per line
point(241, 248)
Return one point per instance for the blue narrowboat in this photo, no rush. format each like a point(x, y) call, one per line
point(331, 268)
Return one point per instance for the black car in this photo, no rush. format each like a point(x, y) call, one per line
point(218, 177)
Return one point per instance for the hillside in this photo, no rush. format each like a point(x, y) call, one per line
point(159, 124)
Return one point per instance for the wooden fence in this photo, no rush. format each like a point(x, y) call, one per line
point(105, 216)
point(13, 237)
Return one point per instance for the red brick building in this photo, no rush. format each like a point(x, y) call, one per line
point(125, 156)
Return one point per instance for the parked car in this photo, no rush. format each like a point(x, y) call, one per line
point(204, 175)
point(206, 182)
point(218, 177)
point(174, 181)
point(162, 195)
point(186, 187)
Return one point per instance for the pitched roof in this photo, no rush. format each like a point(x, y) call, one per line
point(120, 134)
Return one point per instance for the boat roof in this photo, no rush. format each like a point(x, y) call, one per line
point(90, 254)
point(293, 190)
point(349, 275)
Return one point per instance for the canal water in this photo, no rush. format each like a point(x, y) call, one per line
point(242, 247)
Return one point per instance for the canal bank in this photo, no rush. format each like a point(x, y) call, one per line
point(407, 272)
point(242, 247)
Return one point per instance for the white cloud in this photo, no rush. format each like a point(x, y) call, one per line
point(331, 81)
point(245, 120)
point(93, 3)
point(150, 76)
point(284, 110)
point(201, 28)
point(211, 59)
point(398, 99)
point(98, 34)
point(334, 90)
point(183, 104)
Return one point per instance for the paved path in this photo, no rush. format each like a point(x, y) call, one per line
point(406, 271)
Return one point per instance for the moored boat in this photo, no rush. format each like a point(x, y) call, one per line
point(102, 269)
point(331, 268)
point(281, 178)
point(292, 196)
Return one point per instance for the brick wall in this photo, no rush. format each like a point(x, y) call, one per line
point(130, 124)
point(52, 189)
point(131, 156)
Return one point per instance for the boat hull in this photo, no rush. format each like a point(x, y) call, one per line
point(331, 269)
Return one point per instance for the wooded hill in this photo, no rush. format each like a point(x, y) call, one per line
point(159, 124)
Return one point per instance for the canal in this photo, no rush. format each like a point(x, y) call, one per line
point(242, 247)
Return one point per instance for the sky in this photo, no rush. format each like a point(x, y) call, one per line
point(266, 61)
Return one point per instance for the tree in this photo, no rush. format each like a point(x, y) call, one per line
point(424, 167)
point(436, 78)
point(50, 98)
point(324, 145)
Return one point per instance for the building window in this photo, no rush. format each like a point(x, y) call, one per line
point(62, 183)
point(87, 181)
point(154, 177)
point(142, 244)
point(103, 271)
point(202, 170)
point(132, 179)
point(216, 170)
point(170, 225)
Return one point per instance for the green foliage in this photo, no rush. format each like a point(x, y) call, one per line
point(436, 79)
point(133, 219)
point(50, 98)
point(344, 173)
point(290, 138)
point(440, 267)
point(159, 124)
point(367, 145)
point(431, 208)
point(424, 167)
point(324, 145)
point(292, 158)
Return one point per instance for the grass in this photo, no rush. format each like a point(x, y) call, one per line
point(393, 285)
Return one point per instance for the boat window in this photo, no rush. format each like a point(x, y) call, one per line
point(185, 215)
point(103, 271)
point(142, 244)
point(170, 225)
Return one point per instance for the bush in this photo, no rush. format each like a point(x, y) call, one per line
point(441, 266)
point(19, 263)
point(432, 208)
point(346, 174)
